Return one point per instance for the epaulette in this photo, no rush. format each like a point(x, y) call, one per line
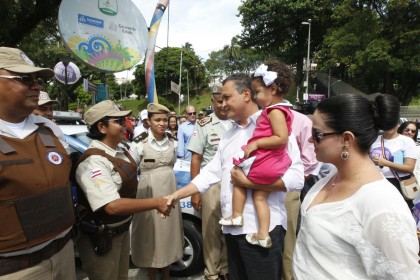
point(140, 137)
point(170, 136)
point(204, 121)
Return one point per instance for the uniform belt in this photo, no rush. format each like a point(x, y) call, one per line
point(16, 263)
point(120, 229)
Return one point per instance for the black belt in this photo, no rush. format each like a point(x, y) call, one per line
point(16, 263)
point(120, 229)
point(92, 228)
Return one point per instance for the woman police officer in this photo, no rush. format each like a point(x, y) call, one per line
point(106, 175)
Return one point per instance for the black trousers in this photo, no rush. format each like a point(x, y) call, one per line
point(252, 262)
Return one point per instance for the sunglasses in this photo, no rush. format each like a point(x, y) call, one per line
point(317, 135)
point(28, 81)
point(410, 130)
point(191, 113)
point(120, 121)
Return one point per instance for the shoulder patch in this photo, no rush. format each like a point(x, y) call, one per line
point(204, 121)
point(141, 137)
point(170, 136)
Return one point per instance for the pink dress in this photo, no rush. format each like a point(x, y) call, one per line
point(268, 165)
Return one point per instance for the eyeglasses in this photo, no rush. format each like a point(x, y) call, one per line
point(26, 80)
point(410, 130)
point(120, 121)
point(317, 136)
point(191, 113)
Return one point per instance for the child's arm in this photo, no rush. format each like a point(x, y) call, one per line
point(279, 137)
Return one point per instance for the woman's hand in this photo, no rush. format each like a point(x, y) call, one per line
point(380, 161)
point(163, 207)
point(251, 147)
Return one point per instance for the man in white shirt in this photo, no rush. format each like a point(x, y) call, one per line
point(247, 261)
point(143, 125)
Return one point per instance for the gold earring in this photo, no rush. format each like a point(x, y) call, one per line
point(345, 154)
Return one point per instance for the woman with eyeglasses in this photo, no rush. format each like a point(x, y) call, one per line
point(355, 225)
point(106, 176)
point(409, 129)
point(394, 154)
point(156, 243)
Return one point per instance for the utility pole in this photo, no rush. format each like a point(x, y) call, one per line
point(308, 61)
point(179, 88)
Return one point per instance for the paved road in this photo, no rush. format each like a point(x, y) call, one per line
point(134, 274)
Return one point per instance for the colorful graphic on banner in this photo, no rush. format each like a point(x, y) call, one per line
point(109, 35)
point(150, 55)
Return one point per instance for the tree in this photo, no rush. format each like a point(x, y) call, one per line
point(19, 17)
point(232, 59)
point(167, 62)
point(382, 58)
point(275, 28)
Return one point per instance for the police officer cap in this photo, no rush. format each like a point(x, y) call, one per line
point(157, 108)
point(103, 109)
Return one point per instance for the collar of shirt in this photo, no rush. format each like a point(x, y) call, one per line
point(100, 145)
point(30, 126)
point(251, 119)
point(153, 140)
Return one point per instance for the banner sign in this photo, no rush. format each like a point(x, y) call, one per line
point(108, 35)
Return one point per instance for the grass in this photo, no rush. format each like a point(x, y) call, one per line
point(200, 101)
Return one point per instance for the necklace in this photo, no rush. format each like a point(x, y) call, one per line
point(333, 181)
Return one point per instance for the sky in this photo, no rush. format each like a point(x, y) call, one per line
point(207, 24)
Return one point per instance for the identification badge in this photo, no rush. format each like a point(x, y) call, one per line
point(54, 157)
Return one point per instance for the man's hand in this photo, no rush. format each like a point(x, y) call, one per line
point(196, 201)
point(238, 177)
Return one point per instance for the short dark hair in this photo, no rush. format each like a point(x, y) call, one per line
point(93, 131)
point(404, 125)
point(354, 113)
point(241, 81)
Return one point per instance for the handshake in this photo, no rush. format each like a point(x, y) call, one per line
point(166, 204)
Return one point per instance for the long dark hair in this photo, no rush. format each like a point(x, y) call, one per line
point(354, 113)
point(176, 122)
point(404, 125)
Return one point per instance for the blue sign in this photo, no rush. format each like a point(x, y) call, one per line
point(91, 21)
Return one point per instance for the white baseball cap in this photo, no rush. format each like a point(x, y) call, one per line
point(143, 115)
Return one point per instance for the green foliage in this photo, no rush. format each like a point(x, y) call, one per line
point(167, 64)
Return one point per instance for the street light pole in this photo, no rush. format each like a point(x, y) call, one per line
point(179, 88)
point(308, 62)
point(188, 90)
point(188, 83)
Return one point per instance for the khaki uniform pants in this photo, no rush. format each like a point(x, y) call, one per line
point(112, 266)
point(60, 266)
point(214, 246)
point(292, 204)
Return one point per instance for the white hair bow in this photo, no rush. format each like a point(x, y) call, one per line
point(268, 76)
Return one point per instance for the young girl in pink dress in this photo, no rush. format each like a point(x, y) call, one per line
point(265, 157)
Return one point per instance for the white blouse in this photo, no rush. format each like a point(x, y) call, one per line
point(370, 235)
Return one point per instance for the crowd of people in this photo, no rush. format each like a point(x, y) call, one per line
point(249, 169)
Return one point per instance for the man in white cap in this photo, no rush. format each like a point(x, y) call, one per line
point(142, 126)
point(45, 106)
point(37, 219)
